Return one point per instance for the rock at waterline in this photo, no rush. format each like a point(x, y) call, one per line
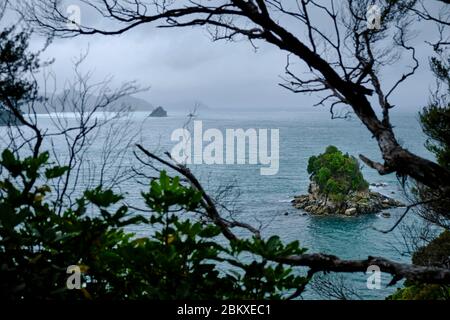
point(159, 112)
point(379, 184)
point(338, 187)
point(386, 215)
point(356, 203)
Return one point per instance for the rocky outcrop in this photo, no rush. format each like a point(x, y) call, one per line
point(356, 203)
point(159, 112)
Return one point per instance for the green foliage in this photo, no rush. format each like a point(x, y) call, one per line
point(165, 193)
point(177, 259)
point(435, 254)
point(441, 68)
point(336, 174)
point(435, 122)
point(102, 198)
point(55, 172)
point(422, 292)
point(435, 118)
point(15, 66)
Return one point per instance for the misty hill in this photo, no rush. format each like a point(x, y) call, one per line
point(69, 101)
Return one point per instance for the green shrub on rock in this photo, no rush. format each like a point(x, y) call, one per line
point(336, 174)
point(435, 254)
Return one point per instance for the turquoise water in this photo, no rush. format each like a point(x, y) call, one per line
point(265, 200)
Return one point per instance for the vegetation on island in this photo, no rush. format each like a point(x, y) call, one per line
point(337, 187)
point(336, 174)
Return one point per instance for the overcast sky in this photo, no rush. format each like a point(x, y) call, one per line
point(184, 65)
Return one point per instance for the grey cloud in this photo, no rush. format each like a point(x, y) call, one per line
point(183, 65)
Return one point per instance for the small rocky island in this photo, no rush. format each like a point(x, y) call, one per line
point(159, 112)
point(338, 187)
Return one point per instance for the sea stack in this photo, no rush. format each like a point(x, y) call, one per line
point(159, 112)
point(337, 186)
